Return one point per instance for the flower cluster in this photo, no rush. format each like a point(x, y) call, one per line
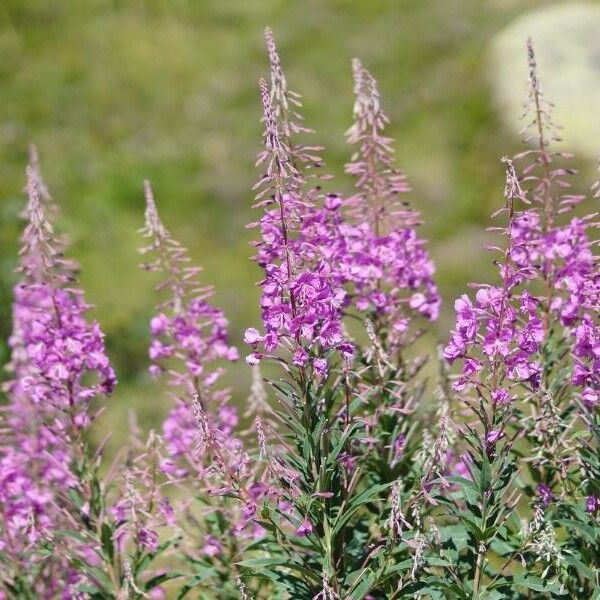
point(378, 182)
point(527, 344)
point(63, 349)
point(502, 331)
point(558, 256)
point(143, 507)
point(586, 372)
point(386, 262)
point(56, 349)
point(59, 365)
point(563, 252)
point(325, 255)
point(188, 333)
point(189, 336)
point(301, 301)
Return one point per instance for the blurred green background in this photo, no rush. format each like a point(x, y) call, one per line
point(113, 91)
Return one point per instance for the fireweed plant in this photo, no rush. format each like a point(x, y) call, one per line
point(349, 474)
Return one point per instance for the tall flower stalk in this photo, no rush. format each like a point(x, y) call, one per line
point(300, 303)
point(385, 262)
point(308, 246)
point(49, 489)
point(520, 375)
point(202, 454)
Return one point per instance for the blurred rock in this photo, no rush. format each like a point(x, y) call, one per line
point(566, 38)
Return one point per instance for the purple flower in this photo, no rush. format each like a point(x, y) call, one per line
point(148, 539)
point(501, 334)
point(302, 299)
point(159, 324)
point(300, 357)
point(59, 365)
point(398, 448)
point(592, 504)
point(500, 396)
point(320, 366)
point(253, 359)
point(252, 336)
point(586, 353)
point(188, 328)
point(493, 436)
point(190, 340)
point(378, 255)
point(305, 528)
point(545, 494)
point(212, 546)
point(332, 202)
point(461, 466)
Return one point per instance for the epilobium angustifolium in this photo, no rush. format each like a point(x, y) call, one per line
point(59, 365)
point(347, 475)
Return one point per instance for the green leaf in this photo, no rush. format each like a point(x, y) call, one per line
point(335, 451)
point(435, 561)
point(146, 559)
point(532, 582)
point(356, 503)
point(72, 534)
point(581, 567)
point(367, 580)
point(158, 579)
point(405, 565)
point(462, 481)
point(501, 547)
point(196, 581)
point(88, 589)
point(76, 498)
point(106, 537)
point(471, 527)
point(485, 476)
point(99, 577)
point(588, 532)
point(254, 564)
point(490, 532)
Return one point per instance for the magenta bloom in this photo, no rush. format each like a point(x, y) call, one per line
point(493, 436)
point(301, 302)
point(212, 546)
point(59, 365)
point(305, 528)
point(188, 332)
point(382, 261)
point(545, 494)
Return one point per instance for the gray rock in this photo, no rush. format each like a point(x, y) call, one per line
point(566, 39)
